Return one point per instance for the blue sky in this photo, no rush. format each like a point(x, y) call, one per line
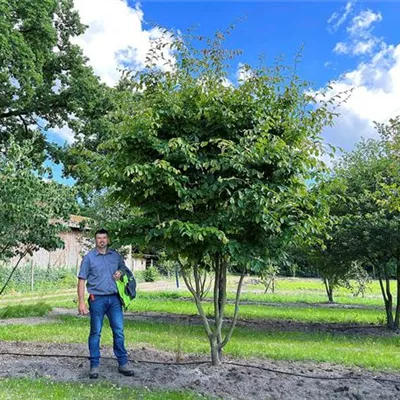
point(270, 28)
point(354, 44)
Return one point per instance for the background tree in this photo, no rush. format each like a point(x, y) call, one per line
point(370, 231)
point(321, 253)
point(218, 171)
point(33, 211)
point(388, 194)
point(44, 79)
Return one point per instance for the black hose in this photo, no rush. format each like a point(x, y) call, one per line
point(206, 362)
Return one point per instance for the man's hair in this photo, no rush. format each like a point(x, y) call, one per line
point(101, 232)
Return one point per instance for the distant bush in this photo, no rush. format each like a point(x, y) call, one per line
point(150, 274)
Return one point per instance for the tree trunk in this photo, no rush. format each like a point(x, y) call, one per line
point(214, 331)
point(221, 290)
point(329, 290)
point(12, 273)
point(215, 351)
point(267, 285)
point(388, 300)
point(397, 316)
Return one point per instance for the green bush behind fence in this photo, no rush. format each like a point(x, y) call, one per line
point(25, 279)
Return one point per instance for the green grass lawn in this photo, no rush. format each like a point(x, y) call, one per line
point(306, 314)
point(288, 290)
point(309, 290)
point(317, 298)
point(172, 302)
point(371, 352)
point(247, 311)
point(11, 389)
point(304, 284)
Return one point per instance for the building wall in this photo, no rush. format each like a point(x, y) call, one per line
point(75, 246)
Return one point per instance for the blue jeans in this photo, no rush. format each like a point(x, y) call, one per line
point(109, 305)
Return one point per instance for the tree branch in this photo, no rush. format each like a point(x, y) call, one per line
point(222, 299)
point(13, 270)
point(236, 312)
point(382, 289)
point(216, 283)
point(14, 113)
point(197, 300)
point(4, 248)
point(25, 123)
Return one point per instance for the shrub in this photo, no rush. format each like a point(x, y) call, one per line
point(150, 274)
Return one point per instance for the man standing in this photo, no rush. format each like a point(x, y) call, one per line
point(100, 268)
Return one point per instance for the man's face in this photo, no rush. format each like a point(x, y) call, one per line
point(101, 240)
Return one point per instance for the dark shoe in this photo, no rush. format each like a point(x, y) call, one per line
point(125, 370)
point(94, 373)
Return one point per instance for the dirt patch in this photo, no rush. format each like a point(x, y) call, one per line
point(269, 380)
point(29, 321)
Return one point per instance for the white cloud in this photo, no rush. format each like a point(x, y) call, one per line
point(115, 38)
point(374, 83)
point(360, 41)
point(337, 19)
point(341, 48)
point(375, 96)
point(363, 22)
point(364, 47)
point(64, 133)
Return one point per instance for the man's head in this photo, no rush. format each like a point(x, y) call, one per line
point(101, 238)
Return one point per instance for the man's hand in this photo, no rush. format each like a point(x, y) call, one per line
point(117, 275)
point(82, 309)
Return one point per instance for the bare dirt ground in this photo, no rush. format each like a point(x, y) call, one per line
point(255, 379)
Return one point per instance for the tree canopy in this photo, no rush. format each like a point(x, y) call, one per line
point(44, 79)
point(33, 211)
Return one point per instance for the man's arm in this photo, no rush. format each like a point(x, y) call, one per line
point(82, 277)
point(82, 309)
point(122, 269)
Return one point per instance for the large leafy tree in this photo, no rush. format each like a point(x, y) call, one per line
point(328, 251)
point(44, 79)
point(387, 195)
point(369, 218)
point(218, 173)
point(33, 211)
